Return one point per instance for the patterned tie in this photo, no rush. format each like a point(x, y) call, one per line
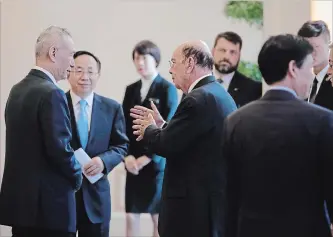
point(82, 124)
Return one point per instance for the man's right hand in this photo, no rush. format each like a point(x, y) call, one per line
point(140, 112)
point(131, 165)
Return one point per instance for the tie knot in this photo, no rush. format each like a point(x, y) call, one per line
point(315, 81)
point(219, 80)
point(83, 103)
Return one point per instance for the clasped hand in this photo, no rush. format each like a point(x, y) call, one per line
point(135, 165)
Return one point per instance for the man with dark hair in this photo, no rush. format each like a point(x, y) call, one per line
point(226, 53)
point(194, 182)
point(279, 151)
point(98, 126)
point(317, 33)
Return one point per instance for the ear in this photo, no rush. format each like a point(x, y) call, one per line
point(52, 53)
point(292, 69)
point(190, 64)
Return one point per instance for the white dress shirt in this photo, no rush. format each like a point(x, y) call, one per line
point(226, 78)
point(76, 106)
point(145, 86)
point(47, 73)
point(196, 82)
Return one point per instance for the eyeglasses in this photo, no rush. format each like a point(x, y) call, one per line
point(80, 72)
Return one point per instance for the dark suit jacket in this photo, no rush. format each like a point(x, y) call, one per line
point(279, 152)
point(108, 140)
point(324, 96)
point(164, 95)
point(41, 173)
point(194, 179)
point(243, 89)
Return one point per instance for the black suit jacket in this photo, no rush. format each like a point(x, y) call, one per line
point(243, 89)
point(279, 152)
point(41, 173)
point(164, 95)
point(324, 96)
point(194, 179)
point(108, 140)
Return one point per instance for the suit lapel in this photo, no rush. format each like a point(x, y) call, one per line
point(75, 137)
point(204, 81)
point(234, 86)
point(324, 90)
point(96, 123)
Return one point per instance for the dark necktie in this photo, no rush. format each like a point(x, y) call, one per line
point(313, 90)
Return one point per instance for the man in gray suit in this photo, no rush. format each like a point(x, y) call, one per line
point(41, 173)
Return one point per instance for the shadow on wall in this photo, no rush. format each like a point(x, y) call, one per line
point(252, 13)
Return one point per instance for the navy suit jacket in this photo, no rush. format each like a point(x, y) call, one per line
point(280, 168)
point(194, 179)
point(41, 173)
point(108, 140)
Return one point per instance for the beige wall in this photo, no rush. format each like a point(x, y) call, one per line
point(110, 28)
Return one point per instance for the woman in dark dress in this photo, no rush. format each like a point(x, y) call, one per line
point(145, 170)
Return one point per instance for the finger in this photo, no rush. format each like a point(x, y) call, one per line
point(139, 138)
point(153, 106)
point(137, 133)
point(90, 169)
point(136, 116)
point(139, 121)
point(136, 127)
point(89, 165)
point(137, 111)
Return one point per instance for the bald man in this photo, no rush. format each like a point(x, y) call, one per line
point(194, 181)
point(41, 173)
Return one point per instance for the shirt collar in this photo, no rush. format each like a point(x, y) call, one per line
point(149, 81)
point(47, 73)
point(321, 75)
point(283, 88)
point(196, 82)
point(226, 78)
point(76, 99)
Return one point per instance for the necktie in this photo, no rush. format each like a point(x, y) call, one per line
point(220, 80)
point(313, 90)
point(82, 124)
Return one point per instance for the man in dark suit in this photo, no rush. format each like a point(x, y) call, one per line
point(99, 128)
point(226, 53)
point(194, 182)
point(41, 173)
point(279, 151)
point(318, 34)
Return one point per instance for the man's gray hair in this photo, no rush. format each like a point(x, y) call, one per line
point(48, 38)
point(202, 56)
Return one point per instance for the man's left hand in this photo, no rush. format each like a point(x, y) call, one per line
point(95, 166)
point(140, 125)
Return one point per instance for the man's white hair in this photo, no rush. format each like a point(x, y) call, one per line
point(48, 38)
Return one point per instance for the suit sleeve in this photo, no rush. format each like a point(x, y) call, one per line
point(57, 135)
point(326, 160)
point(118, 143)
point(188, 123)
point(233, 178)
